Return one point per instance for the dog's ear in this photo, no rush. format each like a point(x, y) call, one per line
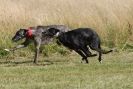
point(22, 31)
point(53, 31)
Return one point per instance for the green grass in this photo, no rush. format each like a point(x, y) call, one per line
point(66, 72)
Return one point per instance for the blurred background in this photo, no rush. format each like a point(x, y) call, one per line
point(112, 19)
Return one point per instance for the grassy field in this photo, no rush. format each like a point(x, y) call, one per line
point(66, 72)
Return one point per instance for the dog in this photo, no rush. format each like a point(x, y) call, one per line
point(78, 40)
point(36, 35)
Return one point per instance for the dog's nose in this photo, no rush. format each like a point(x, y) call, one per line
point(13, 39)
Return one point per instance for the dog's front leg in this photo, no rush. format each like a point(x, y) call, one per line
point(37, 44)
point(36, 54)
point(18, 47)
point(23, 45)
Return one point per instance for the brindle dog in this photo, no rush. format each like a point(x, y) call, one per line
point(36, 35)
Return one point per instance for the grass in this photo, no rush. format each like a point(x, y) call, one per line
point(66, 72)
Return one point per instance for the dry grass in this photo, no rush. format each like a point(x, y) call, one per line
point(110, 18)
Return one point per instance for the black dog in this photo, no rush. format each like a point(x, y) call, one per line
point(78, 40)
point(36, 35)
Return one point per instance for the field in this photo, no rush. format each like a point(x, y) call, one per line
point(63, 72)
point(57, 67)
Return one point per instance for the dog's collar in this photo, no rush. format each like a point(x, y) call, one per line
point(57, 34)
point(29, 33)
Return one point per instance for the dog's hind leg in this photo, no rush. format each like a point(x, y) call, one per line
point(87, 52)
point(84, 57)
point(97, 47)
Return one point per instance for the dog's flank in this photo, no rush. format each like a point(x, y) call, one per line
point(78, 40)
point(36, 35)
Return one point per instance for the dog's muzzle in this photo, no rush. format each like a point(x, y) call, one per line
point(16, 38)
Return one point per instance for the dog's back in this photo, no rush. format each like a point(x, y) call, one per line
point(45, 38)
point(62, 28)
point(79, 37)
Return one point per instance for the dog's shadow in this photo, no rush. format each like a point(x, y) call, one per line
point(23, 62)
point(10, 63)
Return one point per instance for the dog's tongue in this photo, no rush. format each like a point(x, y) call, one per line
point(29, 32)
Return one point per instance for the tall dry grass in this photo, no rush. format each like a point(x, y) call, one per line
point(112, 19)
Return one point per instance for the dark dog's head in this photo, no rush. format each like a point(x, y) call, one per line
point(20, 34)
point(52, 32)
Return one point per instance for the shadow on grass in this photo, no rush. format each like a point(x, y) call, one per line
point(24, 63)
point(29, 61)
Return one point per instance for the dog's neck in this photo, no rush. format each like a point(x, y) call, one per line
point(58, 34)
point(30, 32)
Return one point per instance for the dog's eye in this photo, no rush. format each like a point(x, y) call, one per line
point(21, 34)
point(44, 33)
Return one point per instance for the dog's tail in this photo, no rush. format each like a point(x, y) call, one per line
point(106, 52)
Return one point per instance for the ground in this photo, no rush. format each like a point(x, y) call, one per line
point(67, 72)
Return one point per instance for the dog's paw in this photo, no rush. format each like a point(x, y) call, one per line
point(100, 62)
point(8, 50)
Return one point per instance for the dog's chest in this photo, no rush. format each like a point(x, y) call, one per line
point(46, 40)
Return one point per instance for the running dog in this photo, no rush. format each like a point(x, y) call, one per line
point(78, 40)
point(36, 35)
